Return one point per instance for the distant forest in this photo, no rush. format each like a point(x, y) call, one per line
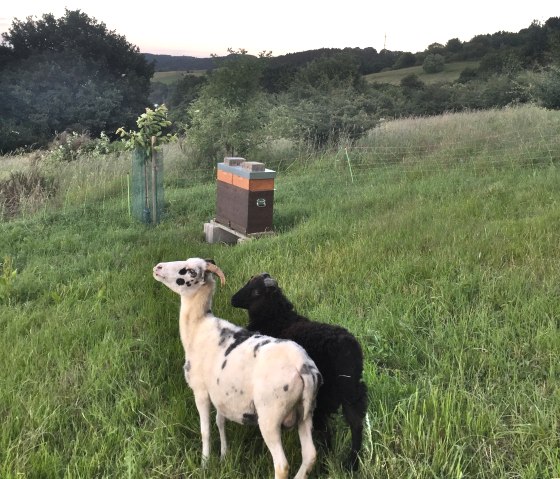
point(534, 45)
point(72, 74)
point(170, 63)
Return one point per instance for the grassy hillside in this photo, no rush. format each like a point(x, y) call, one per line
point(172, 77)
point(435, 241)
point(450, 73)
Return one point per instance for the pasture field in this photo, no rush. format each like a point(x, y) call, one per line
point(450, 73)
point(435, 241)
point(172, 77)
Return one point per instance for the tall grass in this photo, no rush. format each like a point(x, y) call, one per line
point(447, 271)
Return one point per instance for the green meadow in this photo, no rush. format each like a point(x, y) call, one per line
point(450, 73)
point(435, 241)
point(173, 77)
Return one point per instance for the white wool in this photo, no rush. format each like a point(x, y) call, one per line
point(248, 378)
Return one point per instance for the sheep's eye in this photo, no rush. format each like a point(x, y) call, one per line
point(191, 272)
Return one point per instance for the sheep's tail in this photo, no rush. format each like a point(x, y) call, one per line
point(312, 381)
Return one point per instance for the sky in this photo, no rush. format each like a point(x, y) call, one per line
point(204, 27)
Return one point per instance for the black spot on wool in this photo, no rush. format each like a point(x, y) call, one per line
point(225, 334)
point(183, 271)
point(238, 338)
point(180, 281)
point(258, 346)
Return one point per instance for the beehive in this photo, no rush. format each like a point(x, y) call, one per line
point(245, 195)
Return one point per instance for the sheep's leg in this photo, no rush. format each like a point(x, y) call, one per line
point(272, 436)
point(308, 451)
point(322, 428)
point(355, 417)
point(221, 422)
point(202, 402)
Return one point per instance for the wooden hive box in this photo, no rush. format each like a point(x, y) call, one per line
point(245, 196)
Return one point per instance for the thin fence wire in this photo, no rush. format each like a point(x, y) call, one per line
point(107, 181)
point(359, 164)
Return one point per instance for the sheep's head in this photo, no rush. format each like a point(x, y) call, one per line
point(187, 277)
point(257, 289)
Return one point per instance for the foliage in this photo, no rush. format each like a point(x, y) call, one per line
point(69, 146)
point(321, 119)
point(406, 60)
point(327, 73)
point(51, 92)
point(413, 82)
point(167, 63)
point(433, 63)
point(467, 75)
point(186, 91)
point(453, 46)
point(152, 123)
point(546, 89)
point(228, 115)
point(68, 73)
point(237, 78)
point(217, 128)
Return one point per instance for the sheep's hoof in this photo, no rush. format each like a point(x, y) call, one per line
point(351, 463)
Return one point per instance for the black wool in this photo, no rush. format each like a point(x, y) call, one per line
point(336, 352)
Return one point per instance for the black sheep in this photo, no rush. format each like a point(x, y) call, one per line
point(335, 351)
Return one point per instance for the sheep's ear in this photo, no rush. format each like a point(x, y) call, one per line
point(210, 261)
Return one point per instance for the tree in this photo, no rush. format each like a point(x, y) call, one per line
point(68, 73)
point(237, 78)
point(412, 82)
point(467, 75)
point(547, 88)
point(406, 60)
point(53, 92)
point(228, 115)
point(327, 73)
point(453, 45)
point(433, 63)
point(436, 48)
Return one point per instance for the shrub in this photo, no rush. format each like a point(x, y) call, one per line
point(68, 145)
point(547, 89)
point(433, 63)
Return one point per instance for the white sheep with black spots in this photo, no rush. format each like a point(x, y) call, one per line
point(249, 378)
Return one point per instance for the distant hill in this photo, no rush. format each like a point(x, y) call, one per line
point(168, 63)
point(531, 47)
point(369, 59)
